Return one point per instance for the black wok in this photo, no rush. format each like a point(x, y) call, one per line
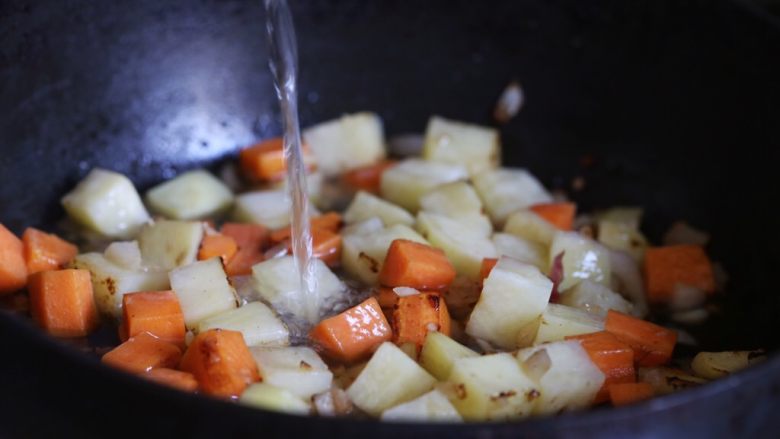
point(677, 102)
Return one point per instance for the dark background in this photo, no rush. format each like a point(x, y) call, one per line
point(678, 103)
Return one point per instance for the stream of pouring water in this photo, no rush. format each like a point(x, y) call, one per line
point(284, 66)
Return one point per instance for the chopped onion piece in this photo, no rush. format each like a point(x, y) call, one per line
point(686, 297)
point(509, 103)
point(405, 291)
point(625, 269)
point(682, 233)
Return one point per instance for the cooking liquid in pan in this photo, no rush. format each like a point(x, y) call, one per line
point(283, 63)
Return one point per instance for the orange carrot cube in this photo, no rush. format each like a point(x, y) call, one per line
point(44, 251)
point(177, 379)
point(416, 315)
point(629, 393)
point(13, 269)
point(62, 303)
point(142, 353)
point(666, 267)
point(353, 334)
point(264, 161)
point(369, 177)
point(613, 357)
point(652, 344)
point(221, 363)
point(217, 245)
point(155, 312)
point(560, 215)
point(415, 265)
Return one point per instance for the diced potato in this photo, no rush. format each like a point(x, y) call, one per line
point(666, 380)
point(166, 244)
point(390, 378)
point(521, 249)
point(298, 369)
point(405, 183)
point(528, 225)
point(459, 201)
point(430, 407)
point(192, 195)
point(473, 146)
point(107, 203)
point(560, 321)
point(255, 321)
point(583, 258)
point(364, 227)
point(514, 294)
point(631, 217)
point(439, 352)
point(110, 281)
point(619, 236)
point(203, 290)
point(270, 208)
point(714, 365)
point(464, 247)
point(125, 254)
point(506, 190)
point(491, 388)
point(362, 255)
point(351, 141)
point(277, 282)
point(566, 377)
point(365, 206)
point(268, 397)
point(595, 298)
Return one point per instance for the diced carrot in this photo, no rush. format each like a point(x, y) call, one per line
point(386, 297)
point(155, 312)
point(143, 353)
point(251, 239)
point(416, 315)
point(666, 267)
point(486, 268)
point(61, 302)
point(177, 379)
point(13, 269)
point(613, 357)
point(264, 161)
point(217, 245)
point(652, 344)
point(44, 251)
point(415, 265)
point(561, 215)
point(221, 362)
point(629, 393)
point(326, 245)
point(367, 177)
point(353, 334)
point(330, 221)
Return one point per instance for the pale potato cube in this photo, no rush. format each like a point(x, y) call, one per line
point(390, 378)
point(363, 254)
point(271, 208)
point(439, 352)
point(473, 146)
point(523, 250)
point(459, 201)
point(506, 190)
point(566, 377)
point(365, 206)
point(268, 397)
point(351, 141)
point(405, 183)
point(166, 244)
point(560, 321)
point(464, 247)
point(298, 369)
point(583, 258)
point(192, 195)
point(430, 407)
point(110, 281)
point(258, 323)
point(107, 203)
point(126, 254)
point(528, 225)
point(278, 283)
point(492, 388)
point(595, 298)
point(364, 227)
point(514, 295)
point(203, 290)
